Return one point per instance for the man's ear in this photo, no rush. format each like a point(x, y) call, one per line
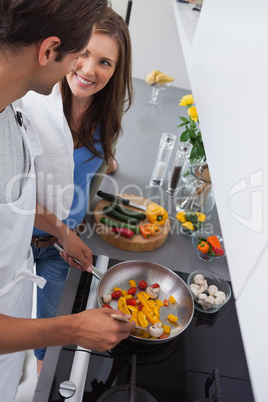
point(47, 50)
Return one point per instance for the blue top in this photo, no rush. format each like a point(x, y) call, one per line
point(84, 170)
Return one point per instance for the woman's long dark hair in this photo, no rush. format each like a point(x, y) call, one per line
point(110, 103)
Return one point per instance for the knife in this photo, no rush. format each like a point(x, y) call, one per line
point(120, 200)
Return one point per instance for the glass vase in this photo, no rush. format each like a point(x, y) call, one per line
point(196, 195)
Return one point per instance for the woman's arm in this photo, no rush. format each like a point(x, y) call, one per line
point(72, 244)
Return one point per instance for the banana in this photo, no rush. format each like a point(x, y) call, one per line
point(150, 79)
point(157, 77)
point(163, 79)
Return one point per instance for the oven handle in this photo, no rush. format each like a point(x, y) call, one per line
point(98, 274)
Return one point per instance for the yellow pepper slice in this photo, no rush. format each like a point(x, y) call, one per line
point(151, 317)
point(145, 294)
point(127, 296)
point(172, 318)
point(144, 302)
point(156, 214)
point(159, 303)
point(167, 329)
point(142, 319)
point(122, 305)
point(132, 283)
point(132, 308)
point(134, 317)
point(172, 299)
point(157, 312)
point(115, 289)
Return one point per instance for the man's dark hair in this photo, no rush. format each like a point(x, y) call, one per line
point(24, 22)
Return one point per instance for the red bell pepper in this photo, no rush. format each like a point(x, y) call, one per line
point(123, 231)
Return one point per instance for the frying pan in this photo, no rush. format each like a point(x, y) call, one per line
point(170, 284)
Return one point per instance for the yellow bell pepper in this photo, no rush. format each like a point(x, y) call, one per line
point(157, 312)
point(167, 329)
point(151, 317)
point(156, 214)
point(142, 319)
point(122, 305)
point(132, 283)
point(159, 303)
point(172, 299)
point(172, 318)
point(144, 302)
point(134, 316)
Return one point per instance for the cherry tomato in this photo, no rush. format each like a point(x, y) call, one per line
point(132, 290)
point(155, 285)
point(142, 284)
point(106, 305)
point(116, 294)
point(131, 302)
point(163, 336)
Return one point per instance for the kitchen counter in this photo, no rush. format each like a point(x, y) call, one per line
point(136, 152)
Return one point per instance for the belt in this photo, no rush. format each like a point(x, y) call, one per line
point(48, 241)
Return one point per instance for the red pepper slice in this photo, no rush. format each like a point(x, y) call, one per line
point(132, 291)
point(166, 302)
point(106, 305)
point(123, 231)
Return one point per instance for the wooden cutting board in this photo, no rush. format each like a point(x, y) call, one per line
point(137, 242)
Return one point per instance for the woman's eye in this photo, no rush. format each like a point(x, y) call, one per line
point(106, 63)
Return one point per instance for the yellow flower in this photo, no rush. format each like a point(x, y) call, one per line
point(187, 100)
point(193, 113)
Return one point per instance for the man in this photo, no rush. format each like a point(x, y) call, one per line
point(40, 41)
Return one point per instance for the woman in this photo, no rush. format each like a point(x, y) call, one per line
point(94, 98)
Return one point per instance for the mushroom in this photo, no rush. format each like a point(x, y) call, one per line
point(151, 292)
point(203, 296)
point(195, 289)
point(219, 300)
point(212, 289)
point(210, 299)
point(220, 294)
point(106, 298)
point(198, 279)
point(203, 286)
point(156, 330)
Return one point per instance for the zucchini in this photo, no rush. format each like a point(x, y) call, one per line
point(128, 212)
point(114, 224)
point(120, 217)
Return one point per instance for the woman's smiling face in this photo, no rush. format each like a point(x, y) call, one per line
point(95, 67)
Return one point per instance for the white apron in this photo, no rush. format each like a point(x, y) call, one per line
point(16, 265)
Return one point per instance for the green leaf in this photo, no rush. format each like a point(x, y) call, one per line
point(185, 136)
point(184, 119)
point(182, 124)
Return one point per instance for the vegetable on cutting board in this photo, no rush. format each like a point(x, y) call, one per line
point(123, 232)
point(110, 222)
point(146, 234)
point(128, 212)
point(109, 211)
point(156, 214)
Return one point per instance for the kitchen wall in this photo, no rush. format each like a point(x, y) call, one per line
point(228, 73)
point(155, 41)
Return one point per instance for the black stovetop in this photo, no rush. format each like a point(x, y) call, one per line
point(174, 371)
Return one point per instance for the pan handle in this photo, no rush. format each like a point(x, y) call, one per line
point(95, 272)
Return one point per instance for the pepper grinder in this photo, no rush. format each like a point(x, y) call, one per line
point(165, 149)
point(182, 155)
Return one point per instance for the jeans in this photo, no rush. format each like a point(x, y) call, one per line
point(54, 269)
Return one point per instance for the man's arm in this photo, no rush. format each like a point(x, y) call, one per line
point(91, 329)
